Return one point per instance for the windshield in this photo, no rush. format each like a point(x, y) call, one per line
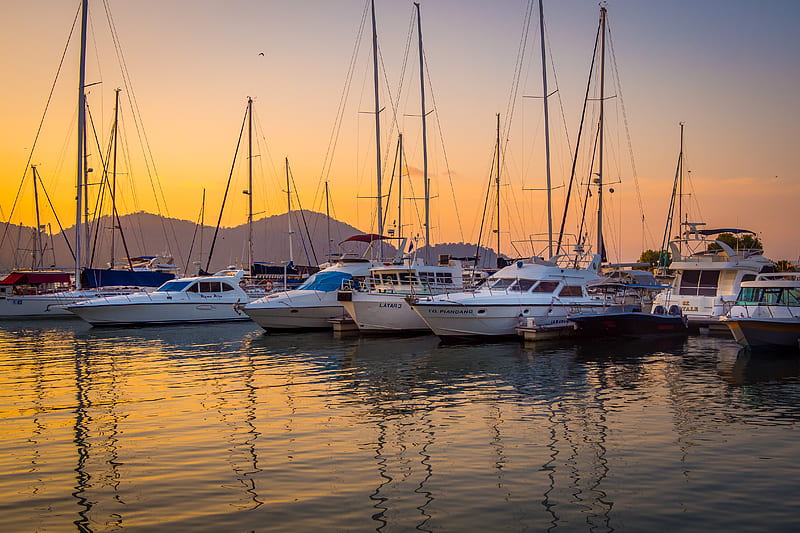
point(173, 286)
point(325, 281)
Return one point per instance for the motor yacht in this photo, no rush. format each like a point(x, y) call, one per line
point(533, 292)
point(767, 311)
point(184, 300)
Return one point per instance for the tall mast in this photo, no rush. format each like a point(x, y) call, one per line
point(497, 185)
point(680, 188)
point(377, 124)
point(250, 184)
point(81, 149)
point(114, 176)
point(289, 210)
point(546, 136)
point(400, 188)
point(600, 244)
point(328, 217)
point(424, 140)
point(38, 258)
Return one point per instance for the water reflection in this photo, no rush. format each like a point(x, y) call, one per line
point(191, 427)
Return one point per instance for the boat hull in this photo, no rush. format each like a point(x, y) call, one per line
point(158, 313)
point(375, 313)
point(630, 324)
point(295, 318)
point(763, 332)
point(459, 321)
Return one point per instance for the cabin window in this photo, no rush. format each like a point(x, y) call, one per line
point(444, 277)
point(325, 281)
point(210, 286)
point(571, 291)
point(522, 285)
point(748, 277)
point(791, 296)
point(405, 277)
point(193, 288)
point(501, 283)
point(226, 287)
point(546, 286)
point(699, 283)
point(173, 286)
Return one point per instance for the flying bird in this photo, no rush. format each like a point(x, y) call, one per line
point(261, 53)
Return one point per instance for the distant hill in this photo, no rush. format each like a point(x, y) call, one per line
point(149, 234)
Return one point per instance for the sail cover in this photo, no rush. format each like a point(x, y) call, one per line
point(97, 277)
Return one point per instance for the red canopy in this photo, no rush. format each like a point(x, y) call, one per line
point(365, 237)
point(33, 278)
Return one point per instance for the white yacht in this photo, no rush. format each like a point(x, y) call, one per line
point(313, 304)
point(767, 311)
point(184, 300)
point(34, 294)
point(380, 306)
point(537, 292)
point(707, 280)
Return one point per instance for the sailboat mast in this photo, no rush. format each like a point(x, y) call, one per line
point(424, 140)
point(81, 149)
point(38, 258)
point(289, 211)
point(600, 244)
point(250, 184)
point(546, 136)
point(400, 188)
point(328, 217)
point(377, 124)
point(114, 176)
point(497, 185)
point(680, 188)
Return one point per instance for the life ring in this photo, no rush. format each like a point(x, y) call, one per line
point(267, 285)
point(243, 285)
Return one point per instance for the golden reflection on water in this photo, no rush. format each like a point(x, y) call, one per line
point(187, 428)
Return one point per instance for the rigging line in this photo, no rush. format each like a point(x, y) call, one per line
point(227, 189)
point(444, 150)
point(145, 143)
point(577, 146)
point(58, 221)
point(516, 78)
point(485, 206)
point(615, 74)
point(305, 223)
point(337, 123)
point(41, 125)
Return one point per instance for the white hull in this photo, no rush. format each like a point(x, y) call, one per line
point(289, 318)
point(449, 320)
point(376, 313)
point(699, 310)
point(158, 313)
point(44, 305)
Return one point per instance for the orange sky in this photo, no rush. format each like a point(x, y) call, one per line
point(728, 69)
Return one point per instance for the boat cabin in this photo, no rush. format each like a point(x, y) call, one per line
point(21, 282)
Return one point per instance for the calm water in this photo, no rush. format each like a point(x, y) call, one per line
point(222, 428)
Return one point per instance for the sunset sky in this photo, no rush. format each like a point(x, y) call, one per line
point(728, 69)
